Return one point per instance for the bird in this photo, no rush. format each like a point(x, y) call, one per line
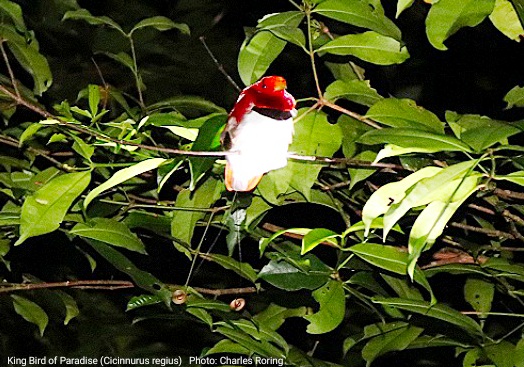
point(258, 133)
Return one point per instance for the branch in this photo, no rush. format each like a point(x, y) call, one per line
point(486, 231)
point(508, 194)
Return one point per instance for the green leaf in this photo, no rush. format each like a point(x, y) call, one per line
point(13, 11)
point(446, 17)
point(44, 210)
point(274, 316)
point(516, 177)
point(332, 308)
point(431, 222)
point(124, 175)
point(201, 314)
point(259, 332)
point(387, 338)
point(153, 222)
point(358, 91)
point(71, 308)
point(503, 354)
point(515, 97)
point(479, 294)
point(262, 348)
point(184, 221)
point(360, 174)
point(187, 105)
point(82, 148)
point(437, 311)
point(480, 132)
point(414, 138)
point(141, 278)
point(359, 13)
point(160, 23)
point(243, 269)
point(519, 8)
point(405, 113)
point(94, 99)
point(381, 200)
point(316, 236)
point(31, 312)
point(389, 258)
point(258, 52)
point(29, 132)
point(109, 231)
point(29, 57)
point(229, 347)
point(85, 15)
point(369, 46)
point(143, 300)
point(403, 5)
point(505, 19)
point(122, 58)
point(207, 304)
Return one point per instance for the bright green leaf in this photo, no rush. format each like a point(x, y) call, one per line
point(506, 19)
point(71, 308)
point(446, 17)
point(13, 11)
point(82, 148)
point(515, 97)
point(43, 211)
point(31, 312)
point(316, 236)
point(358, 91)
point(332, 308)
point(359, 13)
point(29, 132)
point(403, 5)
point(124, 175)
point(516, 177)
point(143, 300)
point(274, 315)
point(368, 46)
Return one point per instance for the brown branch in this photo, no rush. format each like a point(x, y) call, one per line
point(9, 69)
point(486, 231)
point(505, 213)
point(226, 291)
point(355, 115)
point(274, 229)
point(508, 194)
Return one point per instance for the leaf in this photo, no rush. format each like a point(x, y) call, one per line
point(479, 294)
point(503, 354)
point(515, 97)
point(44, 210)
point(94, 99)
point(160, 23)
point(380, 201)
point(437, 311)
point(332, 308)
point(13, 11)
point(184, 221)
point(274, 315)
point(143, 300)
point(403, 5)
point(505, 19)
point(187, 105)
point(82, 148)
point(446, 17)
point(29, 132)
point(480, 132)
point(519, 8)
point(431, 222)
point(259, 332)
point(153, 222)
point(29, 57)
point(404, 113)
point(141, 278)
point(31, 312)
point(109, 231)
point(390, 258)
point(368, 46)
point(316, 236)
point(207, 304)
point(124, 175)
point(414, 138)
point(516, 177)
point(243, 269)
point(258, 52)
point(85, 15)
point(229, 347)
point(359, 13)
point(71, 308)
point(360, 174)
point(262, 348)
point(358, 91)
point(122, 58)
point(387, 338)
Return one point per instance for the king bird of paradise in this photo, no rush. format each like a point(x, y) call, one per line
point(258, 133)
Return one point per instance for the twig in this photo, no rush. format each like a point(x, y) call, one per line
point(226, 291)
point(508, 194)
point(274, 228)
point(21, 101)
point(9, 69)
point(505, 213)
point(355, 115)
point(219, 65)
point(486, 231)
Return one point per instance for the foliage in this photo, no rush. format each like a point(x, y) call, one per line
point(127, 181)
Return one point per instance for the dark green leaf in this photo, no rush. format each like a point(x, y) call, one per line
point(82, 148)
point(109, 231)
point(262, 348)
point(143, 300)
point(437, 311)
point(243, 269)
point(85, 15)
point(71, 307)
point(368, 46)
point(515, 97)
point(160, 23)
point(479, 294)
point(31, 312)
point(43, 211)
point(187, 105)
point(274, 315)
point(332, 309)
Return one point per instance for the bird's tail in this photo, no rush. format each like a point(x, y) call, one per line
point(236, 182)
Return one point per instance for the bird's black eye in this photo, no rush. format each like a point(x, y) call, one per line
point(264, 86)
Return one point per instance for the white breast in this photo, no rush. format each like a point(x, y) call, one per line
point(261, 143)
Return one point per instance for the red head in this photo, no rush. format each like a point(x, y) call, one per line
point(268, 92)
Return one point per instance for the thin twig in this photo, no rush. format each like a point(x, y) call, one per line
point(508, 194)
point(219, 65)
point(355, 115)
point(9, 69)
point(486, 231)
point(226, 291)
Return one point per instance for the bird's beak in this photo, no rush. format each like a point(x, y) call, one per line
point(280, 84)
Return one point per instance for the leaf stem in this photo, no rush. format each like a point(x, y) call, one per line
point(135, 71)
point(9, 69)
point(312, 52)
